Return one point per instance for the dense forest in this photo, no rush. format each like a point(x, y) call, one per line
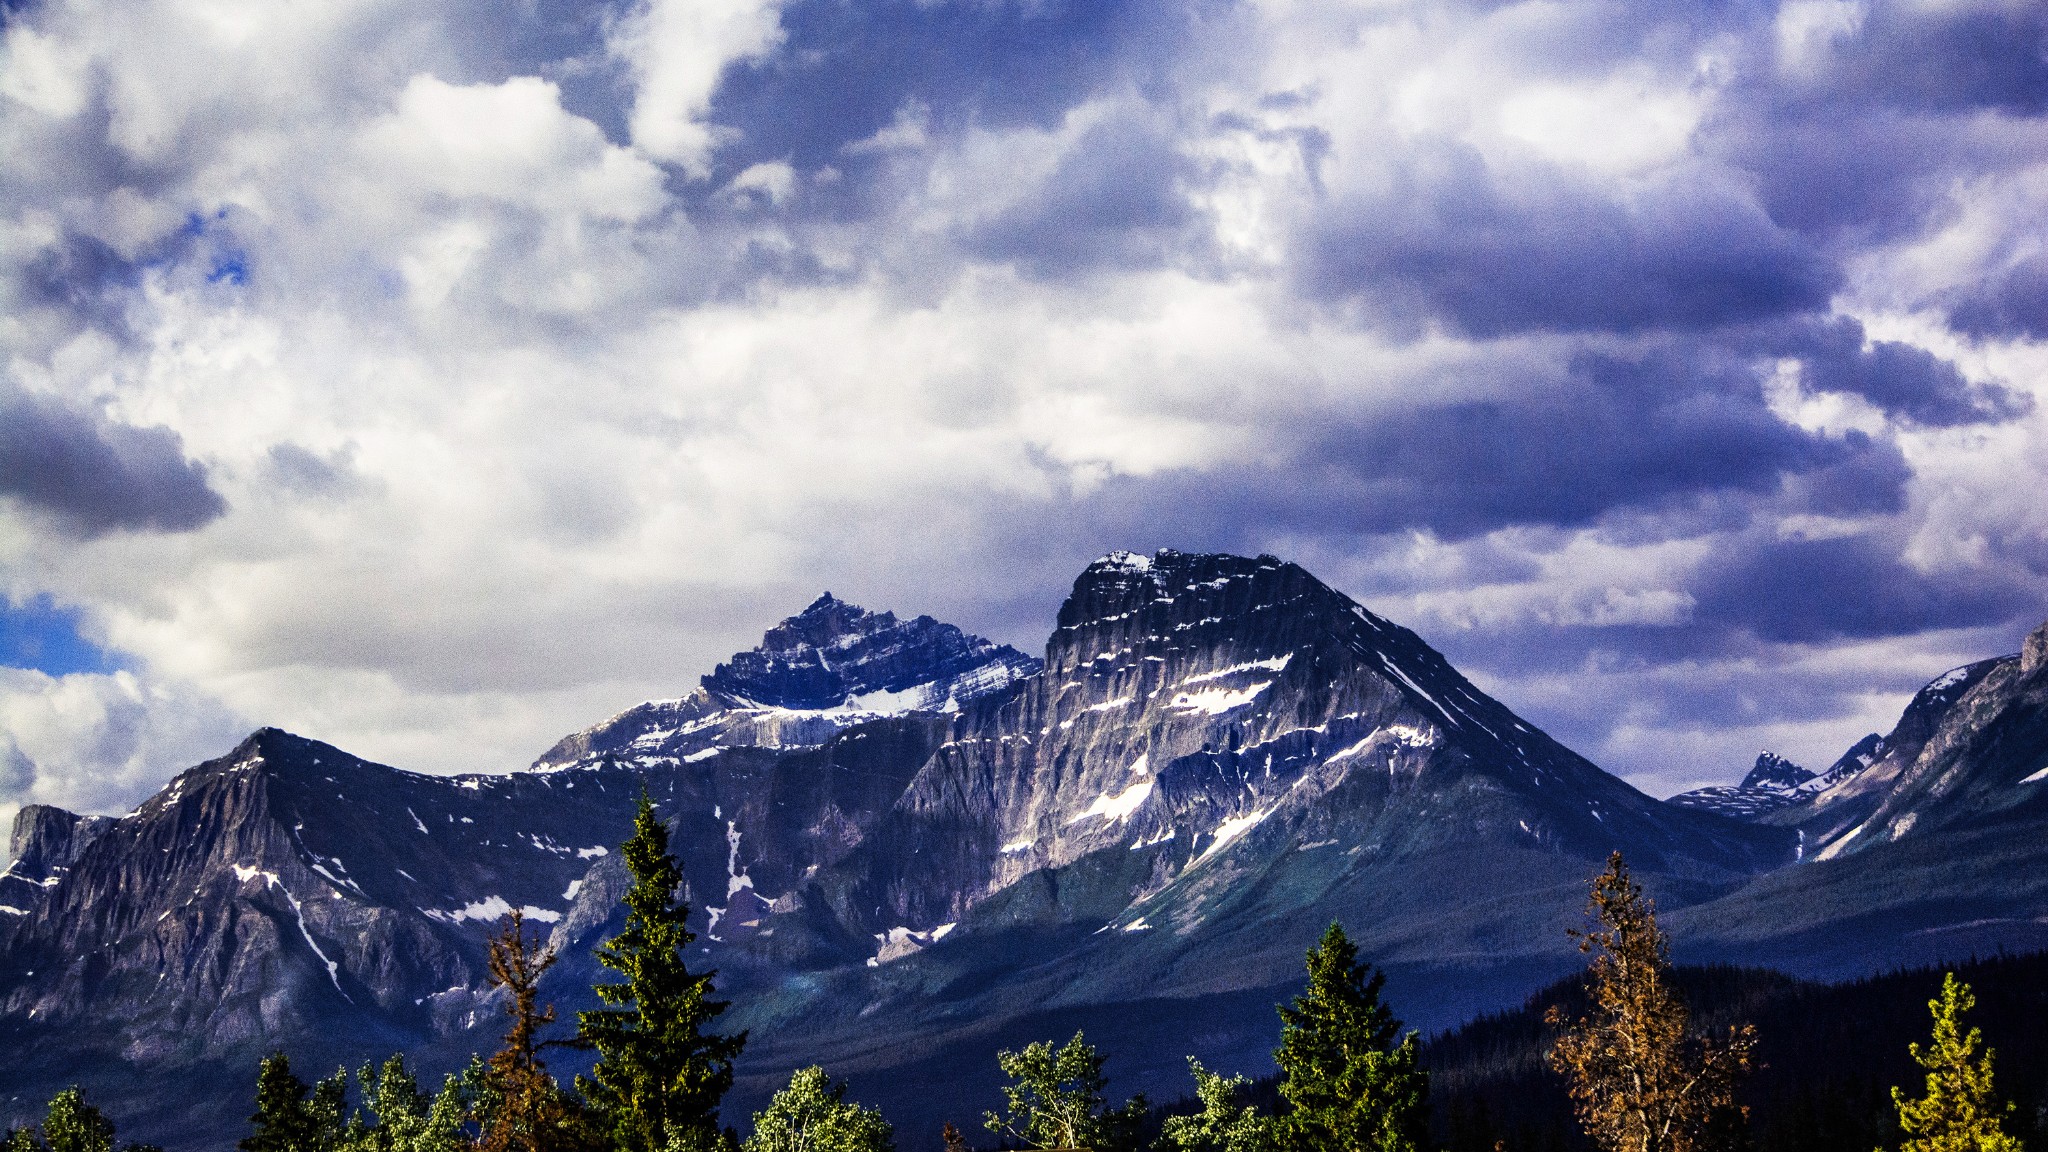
point(1635, 1055)
point(1827, 1056)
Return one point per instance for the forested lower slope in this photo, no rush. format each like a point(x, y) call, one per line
point(1829, 1053)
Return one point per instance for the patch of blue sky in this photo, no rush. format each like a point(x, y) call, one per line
point(39, 635)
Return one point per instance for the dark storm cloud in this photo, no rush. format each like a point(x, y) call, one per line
point(1621, 432)
point(1654, 432)
point(1672, 443)
point(91, 477)
point(1944, 59)
point(1448, 242)
point(843, 70)
point(1908, 382)
point(1808, 591)
point(1865, 143)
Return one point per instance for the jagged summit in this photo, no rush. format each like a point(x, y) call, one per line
point(1772, 783)
point(1774, 771)
point(835, 654)
point(833, 665)
point(1884, 787)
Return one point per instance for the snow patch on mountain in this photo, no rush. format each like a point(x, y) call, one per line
point(490, 910)
point(1118, 807)
point(901, 941)
point(1216, 701)
point(1232, 830)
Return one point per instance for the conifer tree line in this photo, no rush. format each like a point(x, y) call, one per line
point(1640, 1076)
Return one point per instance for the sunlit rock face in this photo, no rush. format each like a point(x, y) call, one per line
point(1196, 705)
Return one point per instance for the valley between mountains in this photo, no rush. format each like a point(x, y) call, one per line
point(907, 846)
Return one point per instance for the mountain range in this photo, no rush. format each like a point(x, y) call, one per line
point(907, 846)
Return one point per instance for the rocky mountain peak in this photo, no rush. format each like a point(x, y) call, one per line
point(1774, 771)
point(835, 654)
point(1860, 755)
point(45, 842)
point(2034, 655)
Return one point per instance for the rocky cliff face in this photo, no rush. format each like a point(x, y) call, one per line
point(837, 655)
point(289, 882)
point(44, 844)
point(1948, 758)
point(1774, 771)
point(1971, 748)
point(1925, 847)
point(1191, 706)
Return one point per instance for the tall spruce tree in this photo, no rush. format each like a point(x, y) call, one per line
point(659, 1075)
point(1348, 1085)
point(1641, 1078)
point(1959, 1112)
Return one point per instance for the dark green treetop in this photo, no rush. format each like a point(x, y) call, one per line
point(1349, 1086)
point(659, 1075)
point(289, 1116)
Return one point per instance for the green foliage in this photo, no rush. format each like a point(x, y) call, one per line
point(1055, 1100)
point(813, 1115)
point(398, 1117)
point(71, 1125)
point(659, 1076)
point(1348, 1085)
point(1959, 1112)
point(1225, 1123)
point(290, 1117)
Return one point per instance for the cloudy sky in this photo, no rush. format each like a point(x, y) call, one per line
point(435, 377)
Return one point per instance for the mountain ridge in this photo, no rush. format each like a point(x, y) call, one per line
point(1216, 756)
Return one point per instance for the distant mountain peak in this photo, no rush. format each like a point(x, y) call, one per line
point(833, 654)
point(1774, 771)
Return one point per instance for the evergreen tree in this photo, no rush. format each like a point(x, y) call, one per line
point(1348, 1085)
point(659, 1075)
point(1055, 1100)
point(290, 1117)
point(1641, 1079)
point(70, 1125)
point(1225, 1123)
point(813, 1115)
point(1959, 1112)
